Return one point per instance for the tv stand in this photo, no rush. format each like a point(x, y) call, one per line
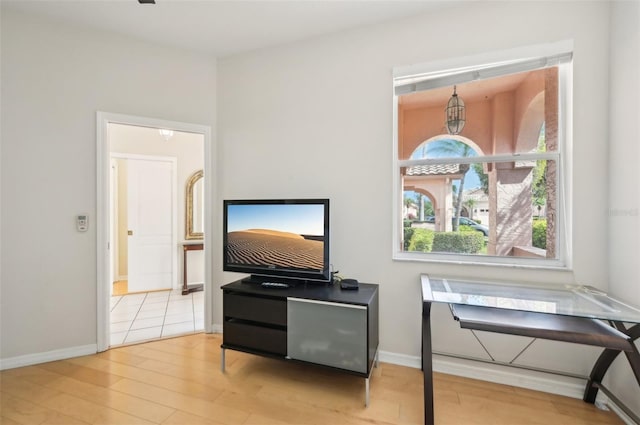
point(308, 323)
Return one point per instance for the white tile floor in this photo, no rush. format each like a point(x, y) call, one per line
point(153, 315)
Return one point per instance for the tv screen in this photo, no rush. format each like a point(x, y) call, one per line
point(286, 238)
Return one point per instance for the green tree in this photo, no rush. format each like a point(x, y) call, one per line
point(455, 148)
point(482, 176)
point(422, 204)
point(409, 203)
point(470, 204)
point(539, 186)
point(428, 208)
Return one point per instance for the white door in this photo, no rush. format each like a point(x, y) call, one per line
point(150, 212)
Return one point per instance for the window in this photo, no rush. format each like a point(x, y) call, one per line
point(496, 192)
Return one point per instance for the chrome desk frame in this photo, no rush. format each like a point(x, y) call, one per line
point(577, 314)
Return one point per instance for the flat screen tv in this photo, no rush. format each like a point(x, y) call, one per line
point(277, 238)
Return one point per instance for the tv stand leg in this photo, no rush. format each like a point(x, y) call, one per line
point(222, 362)
point(366, 392)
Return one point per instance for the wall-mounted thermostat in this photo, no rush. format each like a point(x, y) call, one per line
point(82, 222)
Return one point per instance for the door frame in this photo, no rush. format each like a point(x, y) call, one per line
point(103, 225)
point(174, 208)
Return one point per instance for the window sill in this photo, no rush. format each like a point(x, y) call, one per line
point(484, 261)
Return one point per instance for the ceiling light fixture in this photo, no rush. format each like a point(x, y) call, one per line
point(165, 133)
point(455, 113)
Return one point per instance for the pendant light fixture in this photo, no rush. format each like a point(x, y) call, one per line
point(455, 114)
point(166, 133)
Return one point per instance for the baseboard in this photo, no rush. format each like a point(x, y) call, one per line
point(506, 375)
point(216, 329)
point(514, 376)
point(517, 377)
point(618, 411)
point(47, 356)
point(400, 359)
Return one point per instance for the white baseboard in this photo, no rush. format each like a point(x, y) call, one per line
point(517, 377)
point(506, 375)
point(400, 359)
point(47, 356)
point(216, 329)
point(618, 411)
point(514, 376)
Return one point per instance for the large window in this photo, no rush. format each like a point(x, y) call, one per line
point(491, 187)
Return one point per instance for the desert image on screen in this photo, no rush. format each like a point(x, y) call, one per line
point(278, 236)
point(274, 248)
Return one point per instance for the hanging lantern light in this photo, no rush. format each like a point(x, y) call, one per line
point(455, 113)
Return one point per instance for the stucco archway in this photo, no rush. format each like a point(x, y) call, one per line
point(421, 147)
point(530, 124)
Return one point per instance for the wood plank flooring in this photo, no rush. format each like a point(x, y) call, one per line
point(121, 287)
point(178, 381)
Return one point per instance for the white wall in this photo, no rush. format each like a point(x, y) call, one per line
point(54, 78)
point(314, 118)
point(624, 200)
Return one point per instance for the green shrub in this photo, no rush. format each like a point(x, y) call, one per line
point(421, 240)
point(408, 233)
point(406, 223)
point(477, 220)
point(463, 242)
point(539, 234)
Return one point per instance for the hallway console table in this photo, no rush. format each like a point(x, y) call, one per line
point(571, 313)
point(312, 323)
point(186, 288)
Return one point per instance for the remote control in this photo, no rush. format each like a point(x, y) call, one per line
point(274, 285)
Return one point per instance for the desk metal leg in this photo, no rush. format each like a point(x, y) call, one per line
point(606, 359)
point(427, 363)
point(222, 362)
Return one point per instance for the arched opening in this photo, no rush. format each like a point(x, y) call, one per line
point(455, 186)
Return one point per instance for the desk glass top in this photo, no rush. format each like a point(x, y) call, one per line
point(568, 300)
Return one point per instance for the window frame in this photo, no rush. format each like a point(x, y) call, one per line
point(411, 75)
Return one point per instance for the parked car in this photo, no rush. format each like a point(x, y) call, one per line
point(464, 221)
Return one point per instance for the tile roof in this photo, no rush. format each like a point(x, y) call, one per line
point(433, 170)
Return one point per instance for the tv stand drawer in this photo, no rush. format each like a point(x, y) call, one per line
point(270, 311)
point(255, 337)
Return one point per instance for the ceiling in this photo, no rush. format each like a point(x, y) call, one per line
point(224, 28)
point(474, 91)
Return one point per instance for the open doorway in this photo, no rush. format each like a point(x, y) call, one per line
point(143, 230)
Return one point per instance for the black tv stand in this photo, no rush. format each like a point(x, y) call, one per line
point(288, 322)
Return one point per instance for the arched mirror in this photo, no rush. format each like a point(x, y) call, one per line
point(195, 207)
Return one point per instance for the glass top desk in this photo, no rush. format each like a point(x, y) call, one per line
point(569, 313)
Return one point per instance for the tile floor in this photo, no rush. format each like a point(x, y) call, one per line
point(153, 315)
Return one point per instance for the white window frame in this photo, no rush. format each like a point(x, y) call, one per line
point(448, 72)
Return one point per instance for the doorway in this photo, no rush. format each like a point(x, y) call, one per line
point(152, 261)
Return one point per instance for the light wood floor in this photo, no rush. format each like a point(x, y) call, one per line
point(178, 381)
point(121, 287)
